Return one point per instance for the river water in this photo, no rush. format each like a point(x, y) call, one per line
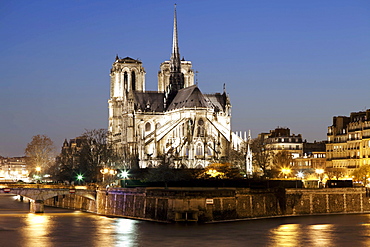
point(59, 227)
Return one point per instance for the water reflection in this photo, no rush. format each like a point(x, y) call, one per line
point(57, 227)
point(37, 230)
point(126, 232)
point(320, 234)
point(285, 235)
point(104, 232)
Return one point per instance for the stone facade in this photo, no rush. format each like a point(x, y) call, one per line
point(177, 122)
point(348, 144)
point(212, 204)
point(280, 139)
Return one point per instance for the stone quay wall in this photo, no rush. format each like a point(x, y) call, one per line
point(217, 204)
point(72, 201)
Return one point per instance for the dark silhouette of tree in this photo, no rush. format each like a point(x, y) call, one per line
point(237, 159)
point(91, 153)
point(165, 172)
point(261, 154)
point(95, 152)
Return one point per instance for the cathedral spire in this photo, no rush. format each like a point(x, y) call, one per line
point(175, 63)
point(176, 77)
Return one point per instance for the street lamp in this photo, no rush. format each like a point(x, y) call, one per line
point(124, 174)
point(104, 171)
point(286, 171)
point(80, 177)
point(319, 172)
point(108, 171)
point(38, 175)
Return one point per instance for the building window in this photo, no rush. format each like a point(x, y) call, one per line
point(125, 78)
point(133, 80)
point(148, 127)
point(200, 128)
point(199, 149)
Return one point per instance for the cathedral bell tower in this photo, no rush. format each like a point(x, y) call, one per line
point(127, 76)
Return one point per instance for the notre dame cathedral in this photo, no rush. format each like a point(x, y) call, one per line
point(177, 121)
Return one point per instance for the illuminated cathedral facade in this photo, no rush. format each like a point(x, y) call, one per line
point(177, 123)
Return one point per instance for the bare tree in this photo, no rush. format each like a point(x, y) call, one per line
point(261, 154)
point(96, 152)
point(362, 174)
point(40, 152)
point(281, 160)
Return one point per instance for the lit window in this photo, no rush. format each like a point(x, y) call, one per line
point(199, 149)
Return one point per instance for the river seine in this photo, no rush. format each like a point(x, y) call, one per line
point(59, 227)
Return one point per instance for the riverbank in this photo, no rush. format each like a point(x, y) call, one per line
point(216, 204)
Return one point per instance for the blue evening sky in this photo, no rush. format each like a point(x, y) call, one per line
point(285, 63)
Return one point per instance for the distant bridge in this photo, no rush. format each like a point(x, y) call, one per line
point(38, 193)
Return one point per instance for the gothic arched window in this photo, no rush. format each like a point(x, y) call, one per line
point(148, 126)
point(209, 149)
point(200, 128)
point(199, 149)
point(133, 80)
point(125, 79)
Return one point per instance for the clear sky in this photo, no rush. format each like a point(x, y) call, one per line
point(285, 63)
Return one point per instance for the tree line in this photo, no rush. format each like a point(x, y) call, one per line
point(92, 151)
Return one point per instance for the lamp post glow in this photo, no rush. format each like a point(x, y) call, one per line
point(300, 175)
point(80, 177)
point(319, 172)
point(285, 171)
point(111, 172)
point(38, 175)
point(124, 174)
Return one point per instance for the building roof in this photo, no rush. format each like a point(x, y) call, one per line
point(188, 97)
point(127, 60)
point(149, 101)
point(217, 101)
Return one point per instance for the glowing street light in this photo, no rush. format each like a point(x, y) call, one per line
point(80, 177)
point(319, 172)
point(37, 176)
point(108, 171)
point(300, 175)
point(124, 174)
point(286, 171)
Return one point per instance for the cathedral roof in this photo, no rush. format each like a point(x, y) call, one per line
point(188, 97)
point(127, 60)
point(149, 101)
point(217, 101)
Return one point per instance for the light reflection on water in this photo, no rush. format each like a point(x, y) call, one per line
point(320, 234)
point(285, 235)
point(58, 227)
point(37, 228)
point(125, 232)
